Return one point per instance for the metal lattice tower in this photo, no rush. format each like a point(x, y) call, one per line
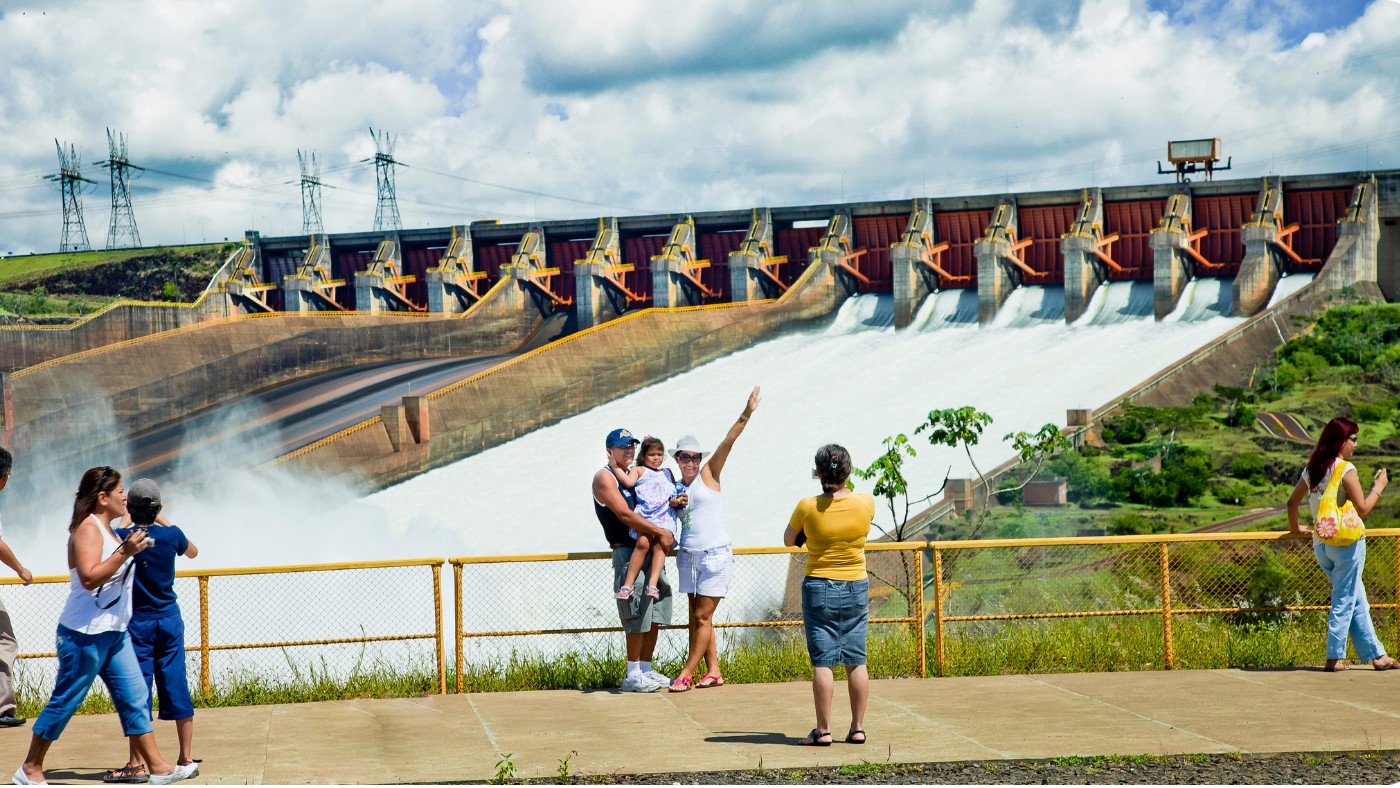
point(122, 233)
point(311, 223)
point(386, 209)
point(70, 180)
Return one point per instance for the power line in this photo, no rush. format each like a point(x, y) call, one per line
point(70, 181)
point(123, 226)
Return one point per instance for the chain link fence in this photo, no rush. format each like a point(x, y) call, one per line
point(946, 608)
point(288, 624)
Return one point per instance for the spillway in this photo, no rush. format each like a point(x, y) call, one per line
point(854, 381)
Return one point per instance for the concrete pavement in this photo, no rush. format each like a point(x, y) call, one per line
point(461, 737)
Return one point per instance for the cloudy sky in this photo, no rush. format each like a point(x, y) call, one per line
point(526, 109)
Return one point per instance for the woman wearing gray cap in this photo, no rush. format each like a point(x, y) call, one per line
point(705, 560)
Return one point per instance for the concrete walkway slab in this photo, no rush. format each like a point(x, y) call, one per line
point(462, 737)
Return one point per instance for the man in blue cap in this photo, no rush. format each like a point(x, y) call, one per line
point(639, 614)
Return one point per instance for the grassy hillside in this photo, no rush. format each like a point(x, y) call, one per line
point(1175, 469)
point(50, 285)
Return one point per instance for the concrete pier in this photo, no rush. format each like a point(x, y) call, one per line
point(997, 262)
point(453, 283)
point(1354, 261)
point(380, 287)
point(913, 259)
point(593, 303)
point(673, 272)
point(1084, 271)
point(838, 256)
point(1265, 249)
point(312, 288)
point(1171, 265)
point(753, 267)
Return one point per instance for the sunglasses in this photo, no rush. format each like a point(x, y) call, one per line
point(682, 456)
point(107, 472)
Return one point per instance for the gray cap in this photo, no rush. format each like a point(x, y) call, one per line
point(143, 492)
point(688, 443)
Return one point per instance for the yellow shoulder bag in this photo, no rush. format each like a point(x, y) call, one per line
point(1336, 525)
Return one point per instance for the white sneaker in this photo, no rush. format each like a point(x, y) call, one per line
point(21, 778)
point(658, 678)
point(181, 773)
point(639, 682)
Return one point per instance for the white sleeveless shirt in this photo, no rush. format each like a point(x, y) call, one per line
point(108, 609)
point(702, 525)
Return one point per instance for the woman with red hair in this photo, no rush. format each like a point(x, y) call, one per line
point(1350, 613)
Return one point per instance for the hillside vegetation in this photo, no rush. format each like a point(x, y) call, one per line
point(44, 286)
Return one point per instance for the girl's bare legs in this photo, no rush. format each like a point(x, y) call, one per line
point(658, 562)
point(634, 564)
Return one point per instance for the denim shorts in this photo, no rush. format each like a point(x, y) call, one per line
point(834, 615)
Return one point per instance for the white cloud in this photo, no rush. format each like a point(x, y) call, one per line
point(713, 105)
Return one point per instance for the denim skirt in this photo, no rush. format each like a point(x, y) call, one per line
point(834, 615)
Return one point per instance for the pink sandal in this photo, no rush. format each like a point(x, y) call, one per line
point(710, 680)
point(681, 684)
point(625, 592)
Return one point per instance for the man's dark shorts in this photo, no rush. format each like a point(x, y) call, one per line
point(638, 613)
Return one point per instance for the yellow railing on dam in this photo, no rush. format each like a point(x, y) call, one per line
point(946, 608)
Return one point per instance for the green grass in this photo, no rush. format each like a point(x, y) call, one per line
point(20, 269)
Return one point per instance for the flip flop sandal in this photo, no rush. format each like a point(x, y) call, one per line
point(851, 737)
point(814, 739)
point(681, 684)
point(127, 774)
point(710, 680)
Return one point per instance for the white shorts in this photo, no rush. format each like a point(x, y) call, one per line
point(706, 572)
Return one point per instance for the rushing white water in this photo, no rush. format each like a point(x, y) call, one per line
point(1289, 285)
point(846, 384)
point(1203, 299)
point(1118, 302)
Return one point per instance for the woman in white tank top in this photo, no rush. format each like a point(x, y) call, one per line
point(92, 639)
point(705, 560)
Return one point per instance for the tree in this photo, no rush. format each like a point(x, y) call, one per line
point(963, 427)
point(953, 427)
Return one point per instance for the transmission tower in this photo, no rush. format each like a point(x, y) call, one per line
point(386, 209)
point(70, 179)
point(311, 223)
point(122, 232)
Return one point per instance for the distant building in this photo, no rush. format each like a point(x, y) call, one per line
point(1046, 491)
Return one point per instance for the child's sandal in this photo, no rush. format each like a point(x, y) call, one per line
point(625, 592)
point(653, 592)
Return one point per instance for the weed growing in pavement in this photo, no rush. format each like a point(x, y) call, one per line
point(563, 770)
point(505, 769)
point(1196, 757)
point(866, 767)
point(1317, 760)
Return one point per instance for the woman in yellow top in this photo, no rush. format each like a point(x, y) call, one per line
point(835, 592)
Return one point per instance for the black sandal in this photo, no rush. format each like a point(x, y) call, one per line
point(814, 739)
point(851, 737)
point(127, 774)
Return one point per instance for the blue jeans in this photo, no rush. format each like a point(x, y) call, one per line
point(82, 658)
point(1350, 613)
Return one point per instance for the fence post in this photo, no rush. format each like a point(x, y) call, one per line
point(1395, 561)
point(205, 685)
point(1166, 605)
point(920, 631)
point(457, 624)
point(937, 612)
point(437, 629)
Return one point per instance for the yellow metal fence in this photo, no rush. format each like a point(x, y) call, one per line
point(947, 608)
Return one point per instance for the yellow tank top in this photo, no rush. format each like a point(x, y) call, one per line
point(836, 530)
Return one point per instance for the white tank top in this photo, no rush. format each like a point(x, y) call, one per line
point(702, 525)
point(108, 609)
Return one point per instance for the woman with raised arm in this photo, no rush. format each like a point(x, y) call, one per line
point(92, 638)
point(1329, 468)
point(705, 560)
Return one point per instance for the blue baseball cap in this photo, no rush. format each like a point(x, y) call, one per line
point(620, 438)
